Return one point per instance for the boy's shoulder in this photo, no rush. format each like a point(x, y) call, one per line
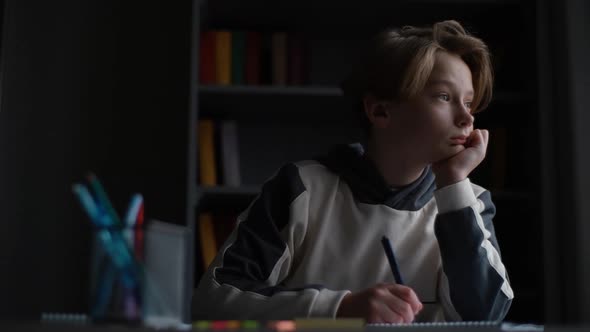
point(313, 168)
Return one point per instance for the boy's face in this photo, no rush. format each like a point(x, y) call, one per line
point(435, 124)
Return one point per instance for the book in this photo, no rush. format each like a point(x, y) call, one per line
point(207, 241)
point(238, 57)
point(295, 60)
point(207, 57)
point(223, 62)
point(206, 154)
point(265, 58)
point(230, 158)
point(279, 58)
point(253, 49)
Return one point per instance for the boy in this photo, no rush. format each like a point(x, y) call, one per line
point(309, 244)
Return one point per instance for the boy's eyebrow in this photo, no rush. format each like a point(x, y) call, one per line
point(446, 82)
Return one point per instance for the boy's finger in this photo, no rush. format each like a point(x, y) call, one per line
point(408, 295)
point(477, 139)
point(486, 136)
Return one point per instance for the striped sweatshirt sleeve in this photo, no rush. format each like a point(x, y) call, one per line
point(246, 279)
point(474, 283)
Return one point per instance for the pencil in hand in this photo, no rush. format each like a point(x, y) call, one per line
point(391, 258)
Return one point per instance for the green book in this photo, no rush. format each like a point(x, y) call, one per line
point(238, 57)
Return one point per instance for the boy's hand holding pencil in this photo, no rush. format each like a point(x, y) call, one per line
point(386, 302)
point(383, 303)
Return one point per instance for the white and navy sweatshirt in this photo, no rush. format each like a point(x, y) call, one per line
point(313, 235)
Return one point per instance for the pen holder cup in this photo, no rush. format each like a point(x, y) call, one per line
point(117, 276)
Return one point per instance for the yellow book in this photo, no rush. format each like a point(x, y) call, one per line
point(223, 58)
point(207, 239)
point(206, 153)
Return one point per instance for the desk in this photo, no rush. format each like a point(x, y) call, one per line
point(65, 327)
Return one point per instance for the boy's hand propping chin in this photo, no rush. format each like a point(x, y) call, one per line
point(458, 167)
point(384, 303)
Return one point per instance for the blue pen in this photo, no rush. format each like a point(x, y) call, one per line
point(133, 210)
point(103, 199)
point(113, 244)
point(88, 203)
point(391, 259)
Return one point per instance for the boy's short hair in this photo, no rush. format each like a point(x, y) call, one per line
point(398, 62)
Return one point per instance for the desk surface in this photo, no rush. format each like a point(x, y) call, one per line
point(68, 327)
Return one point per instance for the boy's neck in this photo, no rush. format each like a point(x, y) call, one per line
point(397, 171)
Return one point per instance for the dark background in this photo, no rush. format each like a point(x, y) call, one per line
point(96, 86)
point(104, 86)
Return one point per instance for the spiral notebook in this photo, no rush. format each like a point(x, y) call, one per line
point(477, 326)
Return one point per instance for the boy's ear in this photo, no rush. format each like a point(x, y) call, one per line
point(377, 111)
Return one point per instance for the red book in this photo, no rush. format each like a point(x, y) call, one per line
point(253, 49)
point(207, 57)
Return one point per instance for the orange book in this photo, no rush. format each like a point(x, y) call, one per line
point(223, 57)
point(206, 153)
point(207, 239)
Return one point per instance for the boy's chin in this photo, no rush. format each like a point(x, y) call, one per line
point(448, 152)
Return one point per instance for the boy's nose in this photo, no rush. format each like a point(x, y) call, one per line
point(464, 117)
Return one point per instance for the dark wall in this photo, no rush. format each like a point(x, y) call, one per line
point(97, 85)
point(563, 54)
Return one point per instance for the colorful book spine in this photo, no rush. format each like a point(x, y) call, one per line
point(295, 60)
point(266, 58)
point(279, 58)
point(230, 158)
point(223, 61)
point(238, 59)
point(206, 153)
point(207, 57)
point(207, 239)
point(253, 57)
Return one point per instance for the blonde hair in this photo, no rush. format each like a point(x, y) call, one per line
point(398, 63)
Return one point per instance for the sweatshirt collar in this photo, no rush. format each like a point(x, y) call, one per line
point(367, 184)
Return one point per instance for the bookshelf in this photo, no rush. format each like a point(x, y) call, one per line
point(278, 124)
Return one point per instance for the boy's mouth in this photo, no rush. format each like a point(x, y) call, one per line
point(459, 140)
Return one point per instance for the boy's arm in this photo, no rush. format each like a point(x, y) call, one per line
point(474, 283)
point(245, 279)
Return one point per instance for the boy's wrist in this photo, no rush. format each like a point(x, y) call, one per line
point(455, 197)
point(448, 179)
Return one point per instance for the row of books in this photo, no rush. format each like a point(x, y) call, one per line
point(251, 58)
point(218, 153)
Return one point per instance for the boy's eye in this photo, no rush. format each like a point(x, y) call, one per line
point(468, 104)
point(444, 96)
